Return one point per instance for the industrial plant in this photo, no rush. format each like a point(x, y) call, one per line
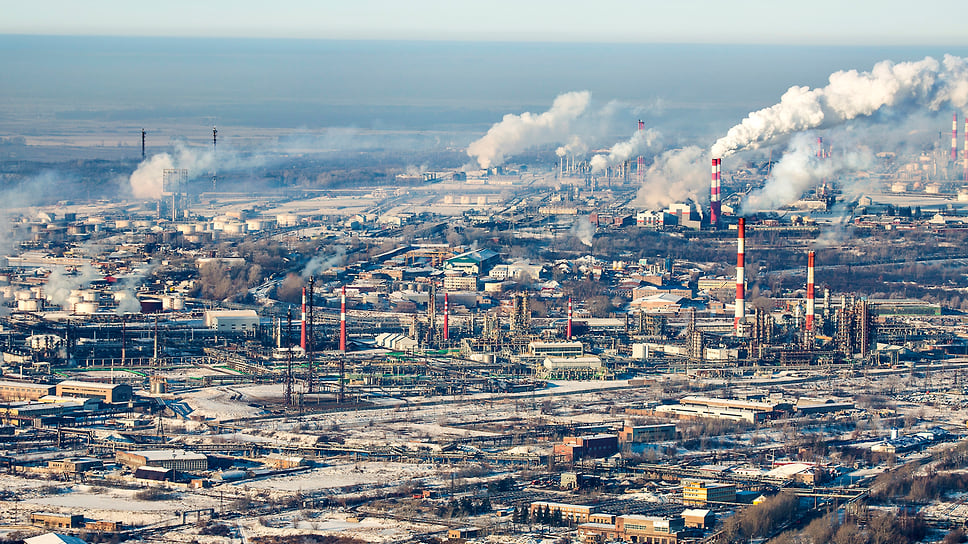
point(556, 342)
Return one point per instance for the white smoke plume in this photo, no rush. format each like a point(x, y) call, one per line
point(639, 143)
point(904, 86)
point(575, 146)
point(799, 170)
point(583, 230)
point(59, 285)
point(515, 133)
point(323, 262)
point(148, 180)
point(676, 175)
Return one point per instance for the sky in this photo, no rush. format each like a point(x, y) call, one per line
point(814, 22)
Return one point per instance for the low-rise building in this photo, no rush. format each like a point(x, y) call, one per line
point(111, 393)
point(54, 520)
point(648, 433)
point(171, 459)
point(576, 513)
point(701, 492)
point(576, 448)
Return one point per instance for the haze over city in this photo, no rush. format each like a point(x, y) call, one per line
point(533, 272)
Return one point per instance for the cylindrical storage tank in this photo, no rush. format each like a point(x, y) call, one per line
point(234, 228)
point(172, 302)
point(36, 292)
point(932, 188)
point(89, 296)
point(255, 224)
point(186, 228)
point(898, 187)
point(464, 199)
point(143, 224)
point(151, 306)
point(24, 295)
point(30, 305)
point(122, 224)
point(962, 196)
point(482, 200)
point(287, 219)
point(86, 308)
point(158, 385)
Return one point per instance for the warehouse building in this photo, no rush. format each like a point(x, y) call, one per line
point(110, 393)
point(171, 459)
point(14, 391)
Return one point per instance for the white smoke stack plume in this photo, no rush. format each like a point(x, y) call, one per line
point(575, 146)
point(515, 133)
point(640, 142)
point(799, 170)
point(676, 175)
point(905, 86)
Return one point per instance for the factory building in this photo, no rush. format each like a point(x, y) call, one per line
point(635, 528)
point(233, 321)
point(576, 448)
point(170, 459)
point(53, 520)
point(647, 433)
point(700, 492)
point(18, 391)
point(576, 513)
point(110, 393)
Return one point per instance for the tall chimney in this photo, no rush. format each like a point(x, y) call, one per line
point(640, 162)
point(954, 137)
point(143, 133)
point(714, 205)
point(446, 315)
point(810, 296)
point(820, 147)
point(302, 322)
point(740, 275)
point(568, 331)
point(342, 320)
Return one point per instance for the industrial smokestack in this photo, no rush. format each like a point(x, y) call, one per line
point(302, 322)
point(819, 147)
point(954, 137)
point(446, 315)
point(810, 297)
point(342, 320)
point(568, 330)
point(740, 275)
point(640, 162)
point(715, 207)
point(143, 133)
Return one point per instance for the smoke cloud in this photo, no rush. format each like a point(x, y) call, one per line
point(904, 86)
point(321, 263)
point(639, 143)
point(148, 179)
point(799, 170)
point(575, 146)
point(515, 133)
point(583, 230)
point(676, 175)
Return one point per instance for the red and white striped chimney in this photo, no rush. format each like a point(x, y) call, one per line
point(446, 315)
point(302, 322)
point(740, 275)
point(342, 320)
point(568, 330)
point(810, 297)
point(954, 137)
point(715, 207)
point(965, 157)
point(819, 147)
